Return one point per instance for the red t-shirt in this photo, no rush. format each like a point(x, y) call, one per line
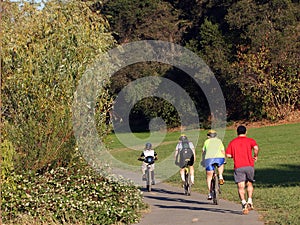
point(240, 149)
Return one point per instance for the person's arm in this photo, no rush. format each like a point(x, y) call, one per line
point(176, 151)
point(223, 152)
point(228, 152)
point(222, 149)
point(155, 156)
point(193, 149)
point(228, 156)
point(141, 158)
point(256, 150)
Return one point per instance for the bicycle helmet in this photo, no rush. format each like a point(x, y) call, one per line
point(212, 133)
point(183, 137)
point(148, 146)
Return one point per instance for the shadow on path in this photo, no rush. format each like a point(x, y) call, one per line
point(169, 206)
point(186, 203)
point(215, 210)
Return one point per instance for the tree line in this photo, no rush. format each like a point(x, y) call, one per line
point(251, 46)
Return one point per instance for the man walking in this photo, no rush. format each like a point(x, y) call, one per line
point(244, 152)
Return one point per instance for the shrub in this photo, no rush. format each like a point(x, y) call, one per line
point(71, 195)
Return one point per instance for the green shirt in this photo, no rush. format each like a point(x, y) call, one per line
point(213, 148)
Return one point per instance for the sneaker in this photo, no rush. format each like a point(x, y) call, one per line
point(144, 177)
point(221, 181)
point(245, 210)
point(209, 197)
point(250, 206)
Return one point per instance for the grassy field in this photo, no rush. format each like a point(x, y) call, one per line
point(276, 195)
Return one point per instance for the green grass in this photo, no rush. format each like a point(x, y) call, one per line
point(276, 194)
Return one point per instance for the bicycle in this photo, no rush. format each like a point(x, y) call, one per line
point(187, 180)
point(215, 189)
point(149, 160)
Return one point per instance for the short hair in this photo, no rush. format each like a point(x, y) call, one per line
point(241, 130)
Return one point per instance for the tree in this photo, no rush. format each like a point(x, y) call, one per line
point(144, 20)
point(44, 54)
point(133, 20)
point(267, 68)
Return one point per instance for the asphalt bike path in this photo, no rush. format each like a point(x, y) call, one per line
point(169, 206)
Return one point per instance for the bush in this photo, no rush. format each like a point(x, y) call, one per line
point(70, 195)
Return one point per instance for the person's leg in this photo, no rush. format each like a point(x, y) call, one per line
point(241, 191)
point(182, 174)
point(220, 171)
point(240, 180)
point(192, 174)
point(250, 193)
point(249, 189)
point(143, 171)
point(152, 177)
point(249, 184)
point(152, 174)
point(209, 175)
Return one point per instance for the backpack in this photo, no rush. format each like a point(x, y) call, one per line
point(185, 156)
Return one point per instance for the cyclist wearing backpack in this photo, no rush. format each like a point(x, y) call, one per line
point(213, 152)
point(185, 156)
point(148, 151)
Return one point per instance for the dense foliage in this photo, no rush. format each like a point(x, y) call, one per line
point(44, 54)
point(251, 46)
point(70, 196)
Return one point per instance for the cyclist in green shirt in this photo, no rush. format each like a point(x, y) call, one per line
point(213, 152)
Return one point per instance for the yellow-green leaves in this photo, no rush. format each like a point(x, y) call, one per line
point(44, 54)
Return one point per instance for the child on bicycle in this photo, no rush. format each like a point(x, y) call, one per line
point(213, 151)
point(180, 161)
point(148, 152)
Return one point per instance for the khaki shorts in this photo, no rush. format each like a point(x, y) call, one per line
point(144, 167)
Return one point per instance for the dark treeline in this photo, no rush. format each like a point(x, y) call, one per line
point(251, 46)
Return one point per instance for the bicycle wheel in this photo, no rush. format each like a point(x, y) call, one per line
point(148, 182)
point(216, 190)
point(187, 184)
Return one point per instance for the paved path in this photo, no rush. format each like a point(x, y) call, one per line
point(169, 206)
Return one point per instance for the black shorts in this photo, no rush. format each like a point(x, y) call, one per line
point(188, 162)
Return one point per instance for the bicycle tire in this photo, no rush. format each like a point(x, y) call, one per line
point(148, 182)
point(216, 190)
point(189, 186)
point(187, 183)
